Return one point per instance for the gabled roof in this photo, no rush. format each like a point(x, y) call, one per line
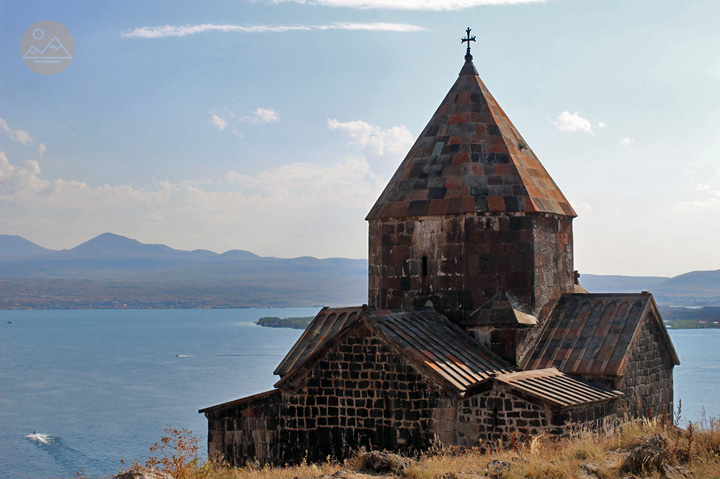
point(553, 388)
point(591, 334)
point(424, 336)
point(430, 338)
point(503, 309)
point(469, 159)
point(322, 329)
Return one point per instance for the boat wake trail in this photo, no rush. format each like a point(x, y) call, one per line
point(70, 459)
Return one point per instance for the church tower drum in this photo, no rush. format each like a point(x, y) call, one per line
point(470, 213)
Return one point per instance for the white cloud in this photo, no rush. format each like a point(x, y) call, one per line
point(373, 140)
point(221, 118)
point(684, 206)
point(601, 125)
point(433, 5)
point(572, 122)
point(292, 210)
point(372, 27)
point(264, 115)
point(710, 199)
point(581, 207)
point(183, 30)
point(218, 122)
point(626, 142)
point(21, 136)
point(296, 177)
point(14, 179)
point(42, 149)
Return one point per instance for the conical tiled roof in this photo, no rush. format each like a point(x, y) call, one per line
point(469, 159)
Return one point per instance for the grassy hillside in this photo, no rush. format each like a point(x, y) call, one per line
point(637, 449)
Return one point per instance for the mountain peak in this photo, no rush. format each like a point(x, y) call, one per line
point(14, 247)
point(108, 240)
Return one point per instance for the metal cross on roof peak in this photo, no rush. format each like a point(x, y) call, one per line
point(468, 40)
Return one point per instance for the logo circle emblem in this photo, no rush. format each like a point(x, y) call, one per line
point(47, 47)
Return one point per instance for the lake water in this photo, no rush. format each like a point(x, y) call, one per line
point(102, 385)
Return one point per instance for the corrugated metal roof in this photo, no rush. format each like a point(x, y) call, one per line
point(590, 334)
point(469, 159)
point(430, 338)
point(423, 335)
point(240, 401)
point(555, 388)
point(321, 329)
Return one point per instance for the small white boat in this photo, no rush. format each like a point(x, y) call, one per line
point(39, 438)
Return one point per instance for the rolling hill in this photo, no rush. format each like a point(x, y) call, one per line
point(696, 288)
point(113, 271)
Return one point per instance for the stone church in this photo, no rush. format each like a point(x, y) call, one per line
point(475, 327)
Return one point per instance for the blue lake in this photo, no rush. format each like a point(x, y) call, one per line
point(104, 384)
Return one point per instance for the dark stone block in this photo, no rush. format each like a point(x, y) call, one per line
point(436, 193)
point(513, 203)
point(419, 208)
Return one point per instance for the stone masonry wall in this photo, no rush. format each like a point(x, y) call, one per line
point(246, 431)
point(554, 264)
point(648, 375)
point(492, 416)
point(497, 414)
point(594, 416)
point(360, 394)
point(460, 262)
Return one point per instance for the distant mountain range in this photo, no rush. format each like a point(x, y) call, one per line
point(112, 271)
point(696, 288)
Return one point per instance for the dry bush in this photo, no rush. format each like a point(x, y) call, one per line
point(177, 454)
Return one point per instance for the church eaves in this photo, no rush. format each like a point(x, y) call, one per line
point(469, 159)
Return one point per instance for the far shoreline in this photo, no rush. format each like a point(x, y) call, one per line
point(674, 317)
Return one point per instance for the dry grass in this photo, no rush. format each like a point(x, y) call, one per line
point(305, 471)
point(585, 455)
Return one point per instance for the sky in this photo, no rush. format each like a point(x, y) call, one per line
point(273, 126)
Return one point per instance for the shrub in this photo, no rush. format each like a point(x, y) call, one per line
point(177, 454)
